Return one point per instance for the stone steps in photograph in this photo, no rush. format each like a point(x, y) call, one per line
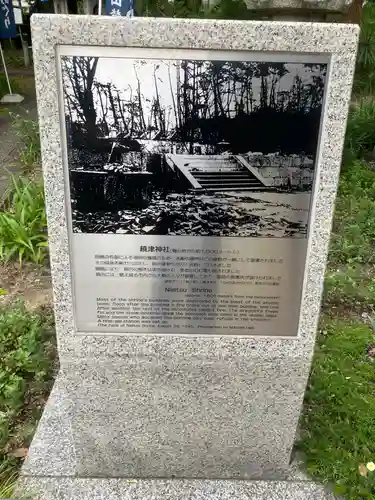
point(217, 181)
point(243, 180)
point(210, 166)
point(216, 173)
point(223, 169)
point(227, 188)
point(221, 175)
point(226, 176)
point(244, 186)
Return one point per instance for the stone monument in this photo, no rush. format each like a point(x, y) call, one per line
point(190, 174)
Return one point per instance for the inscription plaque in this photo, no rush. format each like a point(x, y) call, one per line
point(190, 177)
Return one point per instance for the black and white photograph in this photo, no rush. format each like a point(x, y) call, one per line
point(191, 147)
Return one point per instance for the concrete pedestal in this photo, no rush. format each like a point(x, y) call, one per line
point(198, 411)
point(53, 471)
point(178, 418)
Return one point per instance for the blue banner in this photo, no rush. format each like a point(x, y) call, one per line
point(7, 24)
point(119, 8)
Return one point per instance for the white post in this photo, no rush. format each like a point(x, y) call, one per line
point(87, 9)
point(5, 70)
point(24, 44)
point(100, 7)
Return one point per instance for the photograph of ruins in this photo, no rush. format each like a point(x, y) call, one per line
point(191, 147)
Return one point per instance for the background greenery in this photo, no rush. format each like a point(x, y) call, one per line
point(338, 421)
point(27, 353)
point(23, 223)
point(337, 425)
point(364, 82)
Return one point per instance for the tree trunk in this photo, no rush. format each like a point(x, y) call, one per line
point(112, 102)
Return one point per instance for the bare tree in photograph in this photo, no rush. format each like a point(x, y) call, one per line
point(192, 147)
point(79, 74)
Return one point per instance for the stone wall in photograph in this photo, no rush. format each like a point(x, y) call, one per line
point(277, 170)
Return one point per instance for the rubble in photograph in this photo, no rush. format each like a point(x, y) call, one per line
point(208, 148)
point(198, 215)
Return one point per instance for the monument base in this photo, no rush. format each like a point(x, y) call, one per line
point(172, 417)
point(69, 488)
point(52, 472)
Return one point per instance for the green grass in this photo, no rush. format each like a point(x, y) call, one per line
point(8, 480)
point(14, 58)
point(4, 89)
point(28, 133)
point(24, 85)
point(338, 422)
point(349, 289)
point(350, 276)
point(353, 232)
point(360, 133)
point(23, 223)
point(27, 353)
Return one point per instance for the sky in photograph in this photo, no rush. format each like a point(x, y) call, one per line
point(124, 73)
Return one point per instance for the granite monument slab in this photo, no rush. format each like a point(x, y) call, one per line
point(190, 174)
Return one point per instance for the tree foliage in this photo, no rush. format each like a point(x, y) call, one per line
point(208, 102)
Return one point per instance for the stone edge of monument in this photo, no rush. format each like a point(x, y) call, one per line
point(53, 452)
point(120, 371)
point(63, 488)
point(50, 472)
point(338, 41)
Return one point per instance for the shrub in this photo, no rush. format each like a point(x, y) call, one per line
point(364, 81)
point(28, 132)
point(360, 132)
point(350, 287)
point(22, 356)
point(23, 224)
point(353, 234)
point(27, 351)
point(228, 9)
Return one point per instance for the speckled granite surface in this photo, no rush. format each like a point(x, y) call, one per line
point(184, 405)
point(123, 489)
point(176, 420)
point(338, 41)
point(52, 472)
